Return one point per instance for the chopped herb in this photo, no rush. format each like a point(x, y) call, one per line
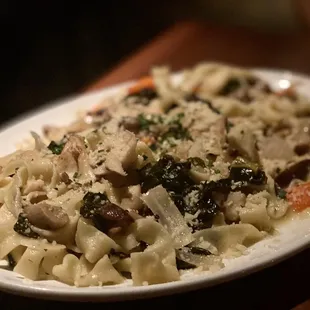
point(144, 157)
point(145, 121)
point(56, 148)
point(175, 130)
point(75, 175)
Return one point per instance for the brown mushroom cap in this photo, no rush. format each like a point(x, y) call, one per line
point(296, 170)
point(45, 216)
point(112, 218)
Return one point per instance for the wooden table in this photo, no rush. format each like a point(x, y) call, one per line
point(284, 286)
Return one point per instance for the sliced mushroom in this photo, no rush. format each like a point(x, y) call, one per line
point(45, 216)
point(112, 219)
point(275, 147)
point(295, 170)
point(68, 159)
point(131, 124)
point(118, 180)
point(117, 153)
point(99, 116)
point(65, 178)
point(74, 146)
point(242, 139)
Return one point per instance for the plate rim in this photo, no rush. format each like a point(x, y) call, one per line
point(110, 293)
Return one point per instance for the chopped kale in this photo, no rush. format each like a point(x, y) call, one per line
point(23, 227)
point(199, 251)
point(56, 148)
point(181, 264)
point(197, 162)
point(194, 97)
point(173, 176)
point(104, 214)
point(11, 260)
point(243, 171)
point(248, 175)
point(199, 199)
point(92, 204)
point(231, 85)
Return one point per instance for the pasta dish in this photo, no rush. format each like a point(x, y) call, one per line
point(159, 180)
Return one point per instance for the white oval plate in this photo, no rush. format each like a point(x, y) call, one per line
point(293, 236)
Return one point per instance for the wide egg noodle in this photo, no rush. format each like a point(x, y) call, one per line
point(157, 264)
point(92, 242)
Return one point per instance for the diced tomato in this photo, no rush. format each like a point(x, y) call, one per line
point(299, 196)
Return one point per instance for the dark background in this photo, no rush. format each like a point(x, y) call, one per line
point(51, 49)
